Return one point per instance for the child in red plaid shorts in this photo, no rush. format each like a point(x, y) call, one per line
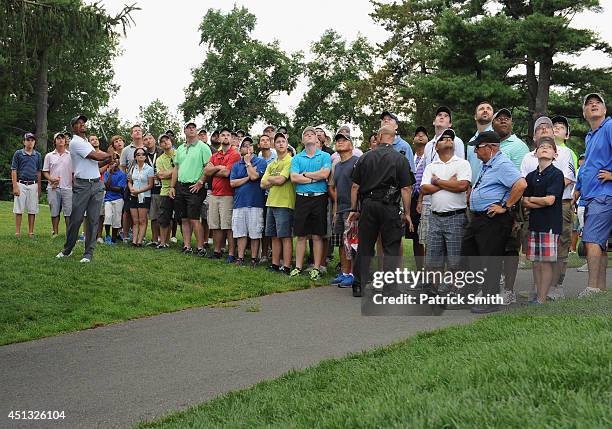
point(543, 198)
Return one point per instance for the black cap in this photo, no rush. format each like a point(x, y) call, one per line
point(246, 138)
point(505, 111)
point(225, 129)
point(169, 133)
point(387, 113)
point(241, 131)
point(342, 135)
point(444, 109)
point(279, 134)
point(76, 118)
point(447, 132)
point(202, 131)
point(486, 137)
point(563, 120)
point(420, 129)
point(215, 133)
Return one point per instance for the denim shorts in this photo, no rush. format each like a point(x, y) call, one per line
point(598, 221)
point(279, 222)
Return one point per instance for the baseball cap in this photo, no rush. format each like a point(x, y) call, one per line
point(387, 113)
point(76, 118)
point(485, 137)
point(503, 110)
point(308, 129)
point(582, 155)
point(189, 123)
point(246, 139)
point(279, 134)
point(170, 133)
point(342, 135)
point(225, 129)
point(202, 131)
point(162, 136)
point(27, 136)
point(563, 120)
point(321, 127)
point(444, 109)
point(542, 120)
point(344, 129)
point(269, 126)
point(56, 135)
point(282, 128)
point(241, 131)
point(420, 129)
point(215, 133)
point(447, 132)
point(591, 95)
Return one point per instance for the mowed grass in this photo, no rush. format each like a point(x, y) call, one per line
point(42, 296)
point(543, 367)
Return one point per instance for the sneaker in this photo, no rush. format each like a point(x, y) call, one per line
point(273, 268)
point(152, 244)
point(323, 269)
point(162, 246)
point(583, 269)
point(187, 250)
point(508, 297)
point(557, 292)
point(239, 261)
point(295, 272)
point(100, 240)
point(338, 279)
point(315, 274)
point(230, 259)
point(201, 253)
point(130, 235)
point(121, 235)
point(173, 240)
point(82, 237)
point(126, 241)
point(214, 255)
point(588, 291)
point(108, 240)
point(347, 281)
point(535, 302)
point(53, 235)
point(61, 255)
point(253, 263)
point(85, 261)
point(264, 260)
point(284, 270)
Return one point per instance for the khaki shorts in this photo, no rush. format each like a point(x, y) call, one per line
point(220, 212)
point(155, 205)
point(27, 201)
point(566, 231)
point(60, 200)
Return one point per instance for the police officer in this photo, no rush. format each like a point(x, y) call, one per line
point(380, 178)
point(498, 188)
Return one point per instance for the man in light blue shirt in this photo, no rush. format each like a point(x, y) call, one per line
point(309, 171)
point(498, 187)
point(388, 119)
point(484, 122)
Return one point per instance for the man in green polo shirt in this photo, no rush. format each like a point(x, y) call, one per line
point(187, 186)
point(165, 165)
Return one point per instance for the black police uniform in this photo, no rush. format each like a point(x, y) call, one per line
point(380, 174)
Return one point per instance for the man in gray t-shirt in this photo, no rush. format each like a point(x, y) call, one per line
point(127, 154)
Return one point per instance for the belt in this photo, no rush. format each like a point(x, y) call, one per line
point(97, 179)
point(27, 182)
point(451, 213)
point(311, 194)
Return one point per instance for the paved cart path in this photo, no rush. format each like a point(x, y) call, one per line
point(120, 375)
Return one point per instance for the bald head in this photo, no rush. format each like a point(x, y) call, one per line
point(386, 135)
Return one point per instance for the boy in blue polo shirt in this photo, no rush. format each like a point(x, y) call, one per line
point(26, 168)
point(543, 197)
point(309, 172)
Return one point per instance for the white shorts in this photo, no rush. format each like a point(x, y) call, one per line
point(112, 212)
point(27, 201)
point(60, 200)
point(247, 221)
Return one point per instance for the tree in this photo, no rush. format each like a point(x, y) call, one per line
point(236, 84)
point(336, 76)
point(156, 118)
point(107, 124)
point(70, 40)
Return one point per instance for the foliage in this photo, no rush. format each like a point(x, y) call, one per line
point(236, 84)
point(156, 118)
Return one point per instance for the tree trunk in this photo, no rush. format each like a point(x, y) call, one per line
point(541, 106)
point(42, 97)
point(532, 92)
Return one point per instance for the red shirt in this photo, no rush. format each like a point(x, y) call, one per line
point(221, 185)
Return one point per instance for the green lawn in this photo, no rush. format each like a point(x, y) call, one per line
point(43, 296)
point(537, 367)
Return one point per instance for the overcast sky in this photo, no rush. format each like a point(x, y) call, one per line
point(162, 48)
